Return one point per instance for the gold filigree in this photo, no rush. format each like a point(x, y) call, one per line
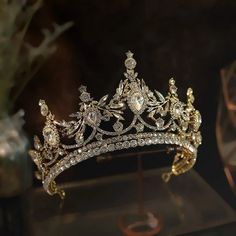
point(156, 119)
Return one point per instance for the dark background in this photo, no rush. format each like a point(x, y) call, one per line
point(188, 40)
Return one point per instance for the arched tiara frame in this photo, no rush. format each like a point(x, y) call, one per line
point(156, 119)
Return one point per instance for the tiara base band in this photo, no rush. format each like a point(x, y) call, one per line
point(119, 143)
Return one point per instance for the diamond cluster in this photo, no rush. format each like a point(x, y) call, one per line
point(117, 143)
point(157, 119)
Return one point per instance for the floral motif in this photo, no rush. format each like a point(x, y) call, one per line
point(99, 125)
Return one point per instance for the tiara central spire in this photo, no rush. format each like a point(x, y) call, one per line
point(156, 119)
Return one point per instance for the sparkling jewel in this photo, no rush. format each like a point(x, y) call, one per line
point(137, 102)
point(85, 97)
point(34, 155)
point(140, 139)
point(130, 63)
point(118, 126)
point(98, 136)
point(160, 123)
point(44, 109)
point(50, 136)
point(79, 138)
point(92, 117)
point(139, 127)
point(177, 110)
point(37, 143)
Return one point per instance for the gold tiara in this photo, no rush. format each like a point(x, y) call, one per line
point(99, 127)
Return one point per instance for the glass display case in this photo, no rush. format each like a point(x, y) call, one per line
point(130, 204)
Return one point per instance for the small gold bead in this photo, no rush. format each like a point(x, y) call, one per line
point(172, 81)
point(189, 91)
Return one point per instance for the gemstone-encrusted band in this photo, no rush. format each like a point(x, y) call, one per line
point(156, 120)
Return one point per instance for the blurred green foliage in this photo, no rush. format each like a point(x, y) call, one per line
point(19, 61)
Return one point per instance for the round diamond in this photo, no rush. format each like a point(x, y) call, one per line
point(126, 144)
point(96, 151)
point(98, 136)
point(133, 143)
point(73, 161)
point(119, 146)
point(148, 141)
point(118, 126)
point(130, 63)
point(160, 123)
point(139, 127)
point(104, 149)
point(141, 142)
point(154, 140)
point(111, 147)
point(85, 97)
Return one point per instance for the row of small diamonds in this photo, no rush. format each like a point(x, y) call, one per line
point(115, 143)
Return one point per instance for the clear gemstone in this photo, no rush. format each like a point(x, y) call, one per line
point(99, 136)
point(44, 109)
point(50, 136)
point(137, 101)
point(177, 110)
point(104, 149)
point(130, 63)
point(96, 151)
point(133, 143)
point(184, 125)
point(73, 161)
point(92, 117)
point(139, 127)
point(118, 126)
point(37, 143)
point(90, 152)
point(160, 123)
point(173, 127)
point(154, 140)
point(119, 145)
point(141, 142)
point(34, 155)
point(85, 97)
point(111, 147)
point(148, 141)
point(84, 155)
point(67, 165)
point(126, 144)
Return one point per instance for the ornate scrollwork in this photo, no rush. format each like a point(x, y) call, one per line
point(156, 119)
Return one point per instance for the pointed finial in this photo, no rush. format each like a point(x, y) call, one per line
point(130, 62)
point(173, 88)
point(129, 54)
point(190, 96)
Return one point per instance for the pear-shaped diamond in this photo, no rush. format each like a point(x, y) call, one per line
point(137, 102)
point(92, 117)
